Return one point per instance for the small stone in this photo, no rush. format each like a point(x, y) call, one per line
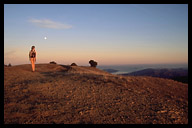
point(25, 90)
point(163, 111)
point(81, 113)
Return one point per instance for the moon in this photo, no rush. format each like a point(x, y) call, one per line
point(45, 38)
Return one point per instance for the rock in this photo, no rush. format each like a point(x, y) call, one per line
point(73, 64)
point(163, 111)
point(9, 65)
point(81, 113)
point(52, 62)
point(93, 63)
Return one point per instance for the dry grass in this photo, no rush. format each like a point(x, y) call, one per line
point(74, 95)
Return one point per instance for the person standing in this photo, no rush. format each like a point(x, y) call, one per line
point(32, 57)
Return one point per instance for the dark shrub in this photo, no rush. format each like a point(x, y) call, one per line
point(93, 63)
point(73, 64)
point(52, 62)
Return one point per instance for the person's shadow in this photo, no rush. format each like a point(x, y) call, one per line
point(61, 72)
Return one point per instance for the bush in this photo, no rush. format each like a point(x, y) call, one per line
point(73, 64)
point(93, 63)
point(52, 62)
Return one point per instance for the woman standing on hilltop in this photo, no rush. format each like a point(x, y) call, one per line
point(32, 57)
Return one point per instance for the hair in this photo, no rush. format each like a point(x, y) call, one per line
point(32, 48)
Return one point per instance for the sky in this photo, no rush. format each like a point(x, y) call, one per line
point(111, 34)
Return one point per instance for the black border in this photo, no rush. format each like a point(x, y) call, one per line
point(97, 125)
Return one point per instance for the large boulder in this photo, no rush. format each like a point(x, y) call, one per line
point(73, 64)
point(52, 62)
point(93, 63)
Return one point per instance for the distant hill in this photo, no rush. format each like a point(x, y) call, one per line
point(63, 94)
point(110, 70)
point(178, 74)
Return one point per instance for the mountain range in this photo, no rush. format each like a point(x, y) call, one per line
point(178, 74)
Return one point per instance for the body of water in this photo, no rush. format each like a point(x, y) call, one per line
point(132, 68)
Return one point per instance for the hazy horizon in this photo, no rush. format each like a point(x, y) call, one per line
point(109, 34)
point(119, 65)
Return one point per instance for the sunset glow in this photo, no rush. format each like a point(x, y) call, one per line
point(109, 34)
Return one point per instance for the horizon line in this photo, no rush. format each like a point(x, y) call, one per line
point(108, 64)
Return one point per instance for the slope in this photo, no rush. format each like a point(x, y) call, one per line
point(75, 94)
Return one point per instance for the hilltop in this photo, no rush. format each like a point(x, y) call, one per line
point(64, 94)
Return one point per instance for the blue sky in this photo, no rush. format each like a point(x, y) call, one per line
point(109, 34)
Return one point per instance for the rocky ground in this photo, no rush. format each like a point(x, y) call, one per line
point(59, 94)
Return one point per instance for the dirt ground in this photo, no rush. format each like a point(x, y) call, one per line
point(60, 94)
